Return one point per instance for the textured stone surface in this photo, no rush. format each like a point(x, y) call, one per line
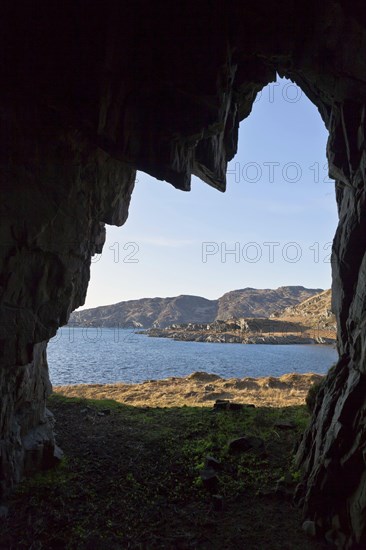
point(56, 193)
point(91, 91)
point(333, 449)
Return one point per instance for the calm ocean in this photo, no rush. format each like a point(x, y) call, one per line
point(79, 355)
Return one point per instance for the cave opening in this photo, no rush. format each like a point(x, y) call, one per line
point(185, 464)
point(277, 220)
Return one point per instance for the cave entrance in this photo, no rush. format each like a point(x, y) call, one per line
point(272, 228)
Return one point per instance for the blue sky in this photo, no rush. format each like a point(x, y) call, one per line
point(278, 216)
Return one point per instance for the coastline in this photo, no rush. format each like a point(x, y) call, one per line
point(231, 338)
point(201, 389)
point(291, 327)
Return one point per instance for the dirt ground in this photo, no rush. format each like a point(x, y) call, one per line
point(133, 478)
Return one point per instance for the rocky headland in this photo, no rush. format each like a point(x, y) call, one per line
point(310, 322)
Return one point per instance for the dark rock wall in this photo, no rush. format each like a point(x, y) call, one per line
point(91, 91)
point(333, 450)
point(56, 192)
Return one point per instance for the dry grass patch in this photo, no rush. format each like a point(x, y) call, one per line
point(201, 389)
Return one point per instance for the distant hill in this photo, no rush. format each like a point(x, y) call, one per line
point(148, 312)
point(253, 302)
point(317, 308)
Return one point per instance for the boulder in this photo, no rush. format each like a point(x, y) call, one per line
point(247, 443)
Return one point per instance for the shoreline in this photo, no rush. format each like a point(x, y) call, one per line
point(201, 389)
point(314, 337)
point(267, 338)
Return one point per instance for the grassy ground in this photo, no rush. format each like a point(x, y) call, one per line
point(131, 479)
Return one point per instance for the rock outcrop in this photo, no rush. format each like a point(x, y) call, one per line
point(317, 307)
point(315, 312)
point(52, 210)
point(91, 91)
point(310, 322)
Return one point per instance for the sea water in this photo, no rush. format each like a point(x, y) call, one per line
point(103, 355)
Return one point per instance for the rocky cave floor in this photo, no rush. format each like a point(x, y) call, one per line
point(139, 477)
